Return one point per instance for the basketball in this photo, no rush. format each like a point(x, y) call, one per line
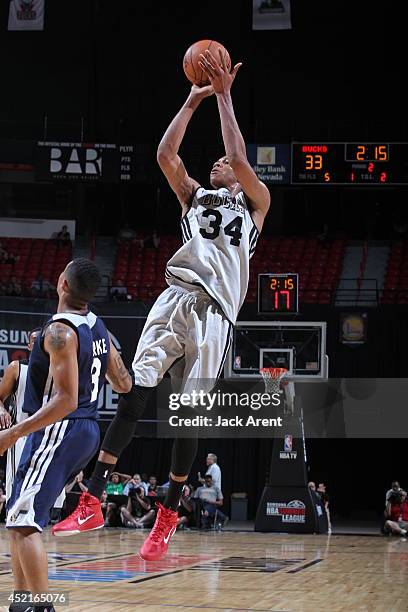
point(191, 67)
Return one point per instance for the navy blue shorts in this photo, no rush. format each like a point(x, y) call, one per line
point(50, 459)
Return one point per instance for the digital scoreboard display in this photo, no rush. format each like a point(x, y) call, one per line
point(349, 163)
point(278, 293)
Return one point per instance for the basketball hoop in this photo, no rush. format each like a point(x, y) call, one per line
point(272, 378)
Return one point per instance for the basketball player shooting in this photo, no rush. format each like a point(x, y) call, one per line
point(188, 330)
point(67, 366)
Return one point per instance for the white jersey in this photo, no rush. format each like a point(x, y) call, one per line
point(17, 415)
point(219, 239)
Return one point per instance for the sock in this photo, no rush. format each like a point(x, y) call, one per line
point(173, 494)
point(99, 478)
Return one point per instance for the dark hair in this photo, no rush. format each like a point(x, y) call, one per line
point(83, 278)
point(34, 331)
point(395, 497)
point(207, 476)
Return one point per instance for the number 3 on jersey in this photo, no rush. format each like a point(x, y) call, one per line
point(95, 374)
point(233, 229)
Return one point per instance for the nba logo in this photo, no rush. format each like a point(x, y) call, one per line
point(288, 443)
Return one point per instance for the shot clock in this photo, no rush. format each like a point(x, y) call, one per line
point(348, 163)
point(278, 293)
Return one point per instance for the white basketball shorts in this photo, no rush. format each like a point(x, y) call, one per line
point(185, 334)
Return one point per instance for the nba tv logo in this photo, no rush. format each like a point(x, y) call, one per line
point(288, 443)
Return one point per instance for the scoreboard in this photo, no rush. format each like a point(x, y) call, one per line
point(278, 293)
point(349, 163)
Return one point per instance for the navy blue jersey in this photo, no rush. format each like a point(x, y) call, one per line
point(93, 351)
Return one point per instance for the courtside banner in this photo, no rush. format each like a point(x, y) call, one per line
point(26, 15)
point(271, 15)
point(271, 162)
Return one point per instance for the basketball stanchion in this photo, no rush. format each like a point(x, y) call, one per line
point(287, 504)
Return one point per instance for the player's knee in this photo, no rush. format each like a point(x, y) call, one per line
point(131, 405)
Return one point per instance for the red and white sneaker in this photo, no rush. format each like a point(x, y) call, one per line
point(157, 542)
point(86, 517)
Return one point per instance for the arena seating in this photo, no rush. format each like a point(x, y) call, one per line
point(35, 256)
point(318, 264)
point(396, 278)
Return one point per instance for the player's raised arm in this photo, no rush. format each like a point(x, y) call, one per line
point(60, 342)
point(167, 153)
point(117, 374)
point(221, 79)
point(7, 384)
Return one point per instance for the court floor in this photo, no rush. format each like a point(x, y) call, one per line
point(227, 571)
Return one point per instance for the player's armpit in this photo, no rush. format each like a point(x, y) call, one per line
point(116, 373)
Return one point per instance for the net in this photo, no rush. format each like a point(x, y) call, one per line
point(272, 378)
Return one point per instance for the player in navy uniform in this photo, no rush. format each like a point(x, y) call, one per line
point(68, 366)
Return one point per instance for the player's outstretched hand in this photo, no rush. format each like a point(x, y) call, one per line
point(5, 419)
point(220, 77)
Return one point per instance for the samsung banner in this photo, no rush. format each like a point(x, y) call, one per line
point(271, 162)
point(125, 332)
point(25, 15)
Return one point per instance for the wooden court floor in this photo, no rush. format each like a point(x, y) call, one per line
point(226, 571)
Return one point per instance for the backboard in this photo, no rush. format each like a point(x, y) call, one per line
point(299, 346)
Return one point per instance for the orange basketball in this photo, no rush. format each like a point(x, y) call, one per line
point(191, 58)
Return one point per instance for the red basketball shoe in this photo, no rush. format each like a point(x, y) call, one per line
point(157, 542)
point(86, 517)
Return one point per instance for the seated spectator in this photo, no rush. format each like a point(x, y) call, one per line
point(133, 483)
point(78, 485)
point(73, 491)
point(2, 506)
point(119, 292)
point(14, 287)
point(109, 511)
point(41, 288)
point(127, 233)
point(186, 508)
point(396, 513)
point(138, 512)
point(9, 258)
point(152, 486)
point(395, 488)
point(211, 499)
point(116, 484)
point(63, 236)
point(152, 241)
point(3, 288)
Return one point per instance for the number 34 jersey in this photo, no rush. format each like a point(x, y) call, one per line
point(92, 356)
point(219, 238)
